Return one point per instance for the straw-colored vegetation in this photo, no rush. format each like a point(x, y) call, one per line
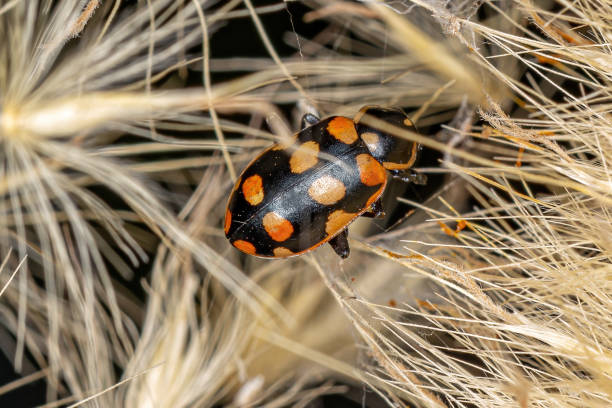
point(494, 292)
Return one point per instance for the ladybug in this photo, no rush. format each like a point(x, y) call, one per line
point(293, 198)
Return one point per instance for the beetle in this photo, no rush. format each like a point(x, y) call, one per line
point(295, 197)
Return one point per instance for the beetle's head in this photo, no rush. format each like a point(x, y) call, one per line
point(393, 152)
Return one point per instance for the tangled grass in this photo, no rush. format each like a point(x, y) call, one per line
point(495, 292)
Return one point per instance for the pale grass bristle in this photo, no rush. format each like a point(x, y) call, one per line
point(495, 292)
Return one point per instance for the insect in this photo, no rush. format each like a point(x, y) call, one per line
point(293, 198)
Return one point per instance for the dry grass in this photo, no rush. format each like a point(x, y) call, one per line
point(496, 292)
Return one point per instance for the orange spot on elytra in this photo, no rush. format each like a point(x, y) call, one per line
point(282, 252)
point(245, 246)
point(277, 227)
point(338, 220)
point(343, 129)
point(252, 189)
point(371, 172)
point(228, 221)
point(327, 190)
point(371, 140)
point(304, 157)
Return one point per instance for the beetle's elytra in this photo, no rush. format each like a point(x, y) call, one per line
point(292, 199)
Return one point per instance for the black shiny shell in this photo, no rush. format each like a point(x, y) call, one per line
point(292, 199)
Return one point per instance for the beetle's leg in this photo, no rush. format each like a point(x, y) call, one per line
point(410, 176)
point(375, 210)
point(308, 120)
point(340, 244)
